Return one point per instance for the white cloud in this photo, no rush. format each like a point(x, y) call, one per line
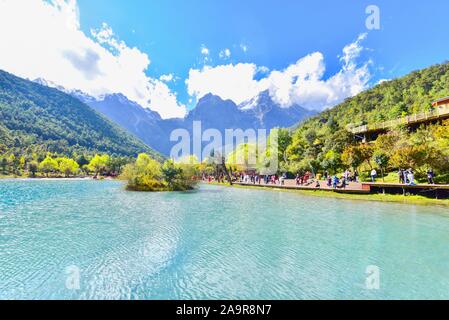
point(167, 77)
point(225, 54)
point(382, 81)
point(263, 69)
point(352, 51)
point(300, 83)
point(235, 82)
point(43, 39)
point(205, 54)
point(204, 50)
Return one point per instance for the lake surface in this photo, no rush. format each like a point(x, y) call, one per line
point(214, 243)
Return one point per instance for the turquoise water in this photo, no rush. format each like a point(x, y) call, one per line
point(214, 243)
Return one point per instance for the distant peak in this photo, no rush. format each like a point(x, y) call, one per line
point(249, 104)
point(116, 97)
point(50, 84)
point(265, 93)
point(263, 98)
point(209, 97)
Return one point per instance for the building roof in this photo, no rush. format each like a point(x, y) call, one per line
point(439, 101)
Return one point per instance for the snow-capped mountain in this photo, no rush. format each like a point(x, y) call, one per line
point(269, 114)
point(80, 95)
point(261, 112)
point(143, 123)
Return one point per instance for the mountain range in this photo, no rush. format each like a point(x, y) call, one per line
point(260, 112)
point(35, 118)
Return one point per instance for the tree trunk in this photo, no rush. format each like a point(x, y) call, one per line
point(223, 163)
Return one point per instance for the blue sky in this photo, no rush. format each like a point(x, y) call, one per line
point(413, 35)
point(169, 35)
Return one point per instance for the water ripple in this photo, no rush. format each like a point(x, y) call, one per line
point(214, 243)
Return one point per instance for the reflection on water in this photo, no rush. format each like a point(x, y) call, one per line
point(216, 242)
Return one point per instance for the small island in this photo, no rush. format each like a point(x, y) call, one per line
point(147, 174)
point(143, 173)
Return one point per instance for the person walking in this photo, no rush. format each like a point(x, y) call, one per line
point(411, 178)
point(405, 174)
point(335, 181)
point(283, 178)
point(400, 176)
point(373, 175)
point(344, 182)
point(430, 176)
point(346, 175)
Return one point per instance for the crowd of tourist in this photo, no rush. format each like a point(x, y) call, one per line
point(406, 176)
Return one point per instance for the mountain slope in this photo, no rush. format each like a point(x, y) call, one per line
point(216, 113)
point(143, 123)
point(211, 110)
point(323, 142)
point(269, 114)
point(410, 94)
point(36, 118)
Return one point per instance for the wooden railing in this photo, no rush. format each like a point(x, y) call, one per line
point(439, 112)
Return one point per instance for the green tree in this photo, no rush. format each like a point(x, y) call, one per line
point(244, 156)
point(332, 161)
point(13, 163)
point(381, 159)
point(171, 173)
point(48, 165)
point(33, 167)
point(284, 139)
point(99, 164)
point(22, 163)
point(355, 155)
point(116, 164)
point(82, 160)
point(144, 174)
point(4, 165)
point(67, 166)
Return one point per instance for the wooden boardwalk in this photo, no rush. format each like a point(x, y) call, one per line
point(429, 190)
point(290, 184)
point(438, 191)
point(437, 114)
point(398, 185)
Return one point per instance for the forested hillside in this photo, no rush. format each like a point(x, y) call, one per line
point(38, 119)
point(391, 99)
point(324, 143)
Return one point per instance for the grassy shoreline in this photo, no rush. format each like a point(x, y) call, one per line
point(414, 200)
point(13, 177)
point(3, 177)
